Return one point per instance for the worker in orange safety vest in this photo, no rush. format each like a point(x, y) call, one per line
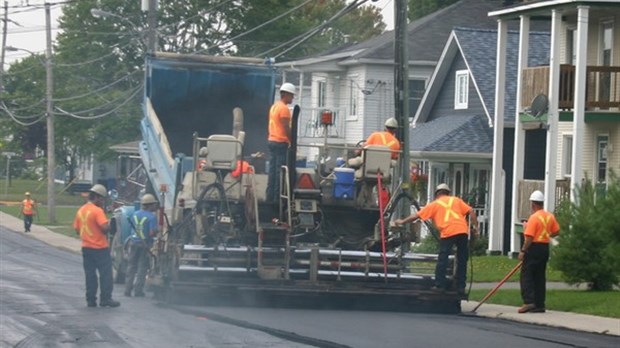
point(448, 214)
point(279, 138)
point(28, 210)
point(539, 229)
point(386, 137)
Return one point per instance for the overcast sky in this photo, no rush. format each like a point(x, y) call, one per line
point(30, 33)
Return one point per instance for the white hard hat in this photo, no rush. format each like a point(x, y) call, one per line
point(148, 199)
point(442, 186)
point(100, 190)
point(288, 87)
point(391, 123)
point(537, 196)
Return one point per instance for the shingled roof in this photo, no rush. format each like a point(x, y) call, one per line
point(472, 133)
point(427, 35)
point(462, 134)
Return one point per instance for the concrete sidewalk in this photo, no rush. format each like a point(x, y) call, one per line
point(572, 321)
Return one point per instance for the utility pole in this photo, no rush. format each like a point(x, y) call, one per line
point(51, 165)
point(152, 23)
point(401, 87)
point(2, 52)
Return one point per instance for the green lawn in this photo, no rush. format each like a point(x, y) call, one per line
point(38, 190)
point(64, 218)
point(494, 268)
point(599, 303)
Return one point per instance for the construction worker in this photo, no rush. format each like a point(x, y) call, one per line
point(540, 227)
point(28, 210)
point(386, 137)
point(92, 226)
point(279, 138)
point(448, 214)
point(144, 228)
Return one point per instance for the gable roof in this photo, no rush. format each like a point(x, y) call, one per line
point(467, 136)
point(425, 40)
point(478, 47)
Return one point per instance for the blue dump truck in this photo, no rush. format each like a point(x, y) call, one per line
point(323, 243)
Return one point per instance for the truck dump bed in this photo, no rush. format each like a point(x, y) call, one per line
point(187, 94)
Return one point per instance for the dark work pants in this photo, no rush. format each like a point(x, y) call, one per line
point(277, 160)
point(445, 247)
point(97, 260)
point(137, 267)
point(533, 279)
point(27, 222)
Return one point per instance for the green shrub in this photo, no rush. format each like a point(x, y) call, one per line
point(428, 245)
point(480, 246)
point(589, 241)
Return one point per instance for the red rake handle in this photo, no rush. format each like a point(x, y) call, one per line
point(379, 192)
point(506, 277)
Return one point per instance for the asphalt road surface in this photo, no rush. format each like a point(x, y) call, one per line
point(42, 305)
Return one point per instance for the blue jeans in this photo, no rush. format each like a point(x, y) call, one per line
point(278, 159)
point(98, 260)
point(445, 247)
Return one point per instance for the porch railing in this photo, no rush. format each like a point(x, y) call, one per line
point(602, 86)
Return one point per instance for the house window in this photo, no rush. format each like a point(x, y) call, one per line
point(461, 89)
point(607, 29)
point(416, 92)
point(601, 158)
point(321, 92)
point(571, 46)
point(567, 155)
point(353, 102)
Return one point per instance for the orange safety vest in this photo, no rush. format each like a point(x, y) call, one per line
point(279, 111)
point(242, 167)
point(386, 139)
point(540, 226)
point(448, 214)
point(28, 207)
point(88, 221)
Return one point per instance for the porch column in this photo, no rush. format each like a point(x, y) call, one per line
point(497, 204)
point(519, 142)
point(579, 108)
point(301, 88)
point(552, 115)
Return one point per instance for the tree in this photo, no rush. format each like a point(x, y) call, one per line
point(590, 237)
point(356, 25)
point(98, 62)
point(421, 8)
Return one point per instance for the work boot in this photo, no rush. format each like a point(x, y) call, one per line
point(538, 310)
point(527, 308)
point(109, 303)
point(139, 294)
point(128, 293)
point(91, 304)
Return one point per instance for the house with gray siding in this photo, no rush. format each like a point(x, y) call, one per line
point(453, 127)
point(355, 83)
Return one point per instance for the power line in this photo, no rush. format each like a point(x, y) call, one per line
point(311, 32)
point(15, 118)
point(256, 27)
point(75, 115)
point(97, 90)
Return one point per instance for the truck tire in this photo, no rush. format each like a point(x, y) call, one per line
point(119, 264)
